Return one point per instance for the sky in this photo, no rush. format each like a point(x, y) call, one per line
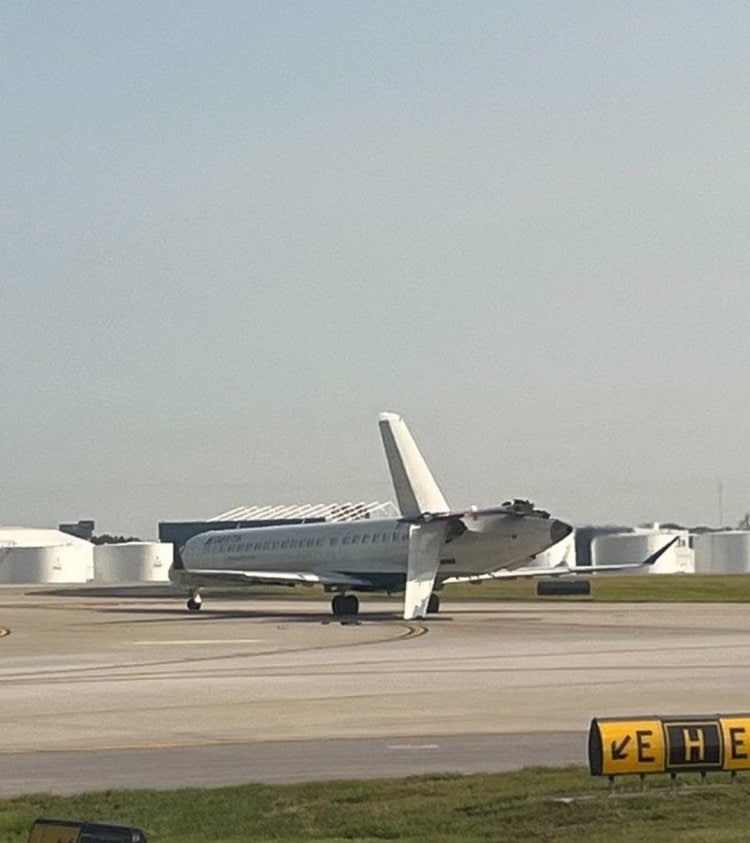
point(232, 233)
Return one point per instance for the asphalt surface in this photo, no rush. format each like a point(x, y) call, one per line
point(121, 687)
point(292, 761)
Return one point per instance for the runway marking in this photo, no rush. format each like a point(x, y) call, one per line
point(157, 745)
point(400, 746)
point(200, 641)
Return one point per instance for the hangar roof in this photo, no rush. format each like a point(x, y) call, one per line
point(330, 511)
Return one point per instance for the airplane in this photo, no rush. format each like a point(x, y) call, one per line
point(414, 553)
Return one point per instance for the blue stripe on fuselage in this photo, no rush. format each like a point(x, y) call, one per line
point(377, 581)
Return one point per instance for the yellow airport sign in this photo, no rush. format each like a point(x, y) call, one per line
point(644, 745)
point(626, 747)
point(694, 744)
point(736, 735)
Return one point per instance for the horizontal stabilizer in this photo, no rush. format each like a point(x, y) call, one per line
point(415, 487)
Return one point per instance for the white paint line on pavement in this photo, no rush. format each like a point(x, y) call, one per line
point(197, 641)
point(414, 746)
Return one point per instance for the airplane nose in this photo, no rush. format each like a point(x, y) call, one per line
point(559, 530)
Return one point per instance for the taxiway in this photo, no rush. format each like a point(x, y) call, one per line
point(105, 688)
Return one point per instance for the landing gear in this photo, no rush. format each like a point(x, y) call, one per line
point(344, 604)
point(433, 604)
point(194, 602)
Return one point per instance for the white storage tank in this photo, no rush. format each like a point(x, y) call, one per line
point(29, 555)
point(727, 552)
point(63, 563)
point(133, 562)
point(631, 548)
point(562, 553)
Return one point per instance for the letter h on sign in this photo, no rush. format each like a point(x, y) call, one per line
point(693, 745)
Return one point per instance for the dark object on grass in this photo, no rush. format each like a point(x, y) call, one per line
point(67, 831)
point(558, 587)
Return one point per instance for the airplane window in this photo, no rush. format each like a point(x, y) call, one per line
point(319, 542)
point(256, 546)
point(346, 540)
point(375, 537)
point(275, 545)
point(284, 544)
point(395, 537)
point(334, 541)
point(365, 539)
point(385, 537)
point(292, 544)
point(266, 545)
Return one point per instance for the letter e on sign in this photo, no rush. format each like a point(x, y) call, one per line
point(736, 734)
point(631, 747)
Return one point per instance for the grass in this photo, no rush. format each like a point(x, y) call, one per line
point(508, 806)
point(605, 588)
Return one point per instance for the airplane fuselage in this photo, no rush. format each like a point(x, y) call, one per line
point(372, 551)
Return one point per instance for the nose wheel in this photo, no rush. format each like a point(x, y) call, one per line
point(344, 604)
point(194, 603)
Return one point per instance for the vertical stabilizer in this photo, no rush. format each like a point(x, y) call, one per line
point(415, 487)
point(425, 544)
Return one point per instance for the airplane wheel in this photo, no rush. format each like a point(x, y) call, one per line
point(433, 605)
point(344, 604)
point(194, 604)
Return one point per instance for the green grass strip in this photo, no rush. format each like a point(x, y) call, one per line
point(605, 588)
point(534, 804)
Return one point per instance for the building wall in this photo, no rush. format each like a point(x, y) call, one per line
point(180, 532)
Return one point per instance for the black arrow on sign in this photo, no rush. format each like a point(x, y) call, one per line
point(618, 750)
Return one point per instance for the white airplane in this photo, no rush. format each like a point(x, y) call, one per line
point(415, 553)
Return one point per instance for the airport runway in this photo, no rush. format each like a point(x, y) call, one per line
point(103, 688)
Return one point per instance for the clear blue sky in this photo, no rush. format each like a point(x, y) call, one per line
point(233, 232)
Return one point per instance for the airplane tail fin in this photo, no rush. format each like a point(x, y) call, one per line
point(415, 487)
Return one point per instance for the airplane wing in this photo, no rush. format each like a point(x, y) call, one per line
point(565, 570)
point(215, 576)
